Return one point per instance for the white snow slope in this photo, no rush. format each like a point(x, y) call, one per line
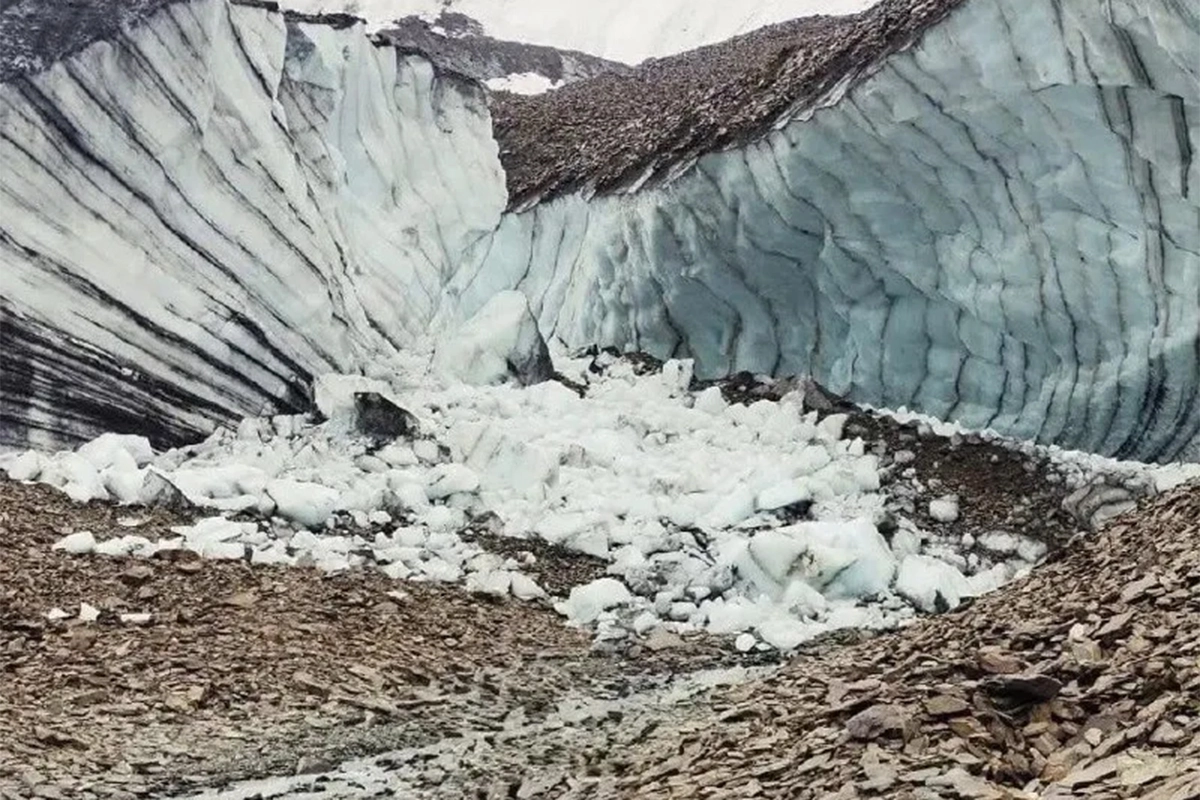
point(619, 30)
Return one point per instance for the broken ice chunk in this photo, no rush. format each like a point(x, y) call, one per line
point(77, 543)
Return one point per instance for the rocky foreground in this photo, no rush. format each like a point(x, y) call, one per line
point(182, 672)
point(1082, 680)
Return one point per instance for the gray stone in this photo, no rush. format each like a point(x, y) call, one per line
point(380, 418)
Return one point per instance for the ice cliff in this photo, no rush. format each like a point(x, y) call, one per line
point(211, 204)
point(1000, 226)
point(995, 219)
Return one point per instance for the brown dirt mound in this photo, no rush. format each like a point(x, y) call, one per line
point(610, 131)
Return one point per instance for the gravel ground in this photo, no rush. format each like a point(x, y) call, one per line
point(235, 671)
point(1082, 681)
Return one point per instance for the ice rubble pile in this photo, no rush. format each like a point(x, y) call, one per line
point(756, 520)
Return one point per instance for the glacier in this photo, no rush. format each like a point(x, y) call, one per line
point(1001, 226)
point(201, 213)
point(998, 225)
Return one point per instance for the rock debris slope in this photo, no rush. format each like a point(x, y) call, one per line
point(986, 210)
point(189, 671)
point(1079, 682)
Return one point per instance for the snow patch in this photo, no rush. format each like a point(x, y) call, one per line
point(77, 543)
point(930, 582)
point(523, 83)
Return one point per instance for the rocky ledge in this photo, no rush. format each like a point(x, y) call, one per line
point(456, 42)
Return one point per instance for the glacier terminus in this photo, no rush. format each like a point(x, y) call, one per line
point(206, 203)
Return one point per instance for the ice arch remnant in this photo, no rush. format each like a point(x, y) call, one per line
point(985, 209)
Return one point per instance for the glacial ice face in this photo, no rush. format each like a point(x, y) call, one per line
point(199, 214)
point(1002, 227)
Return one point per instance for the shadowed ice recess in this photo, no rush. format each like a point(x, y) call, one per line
point(1000, 226)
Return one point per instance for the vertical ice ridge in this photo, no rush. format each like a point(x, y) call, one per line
point(1000, 226)
point(207, 208)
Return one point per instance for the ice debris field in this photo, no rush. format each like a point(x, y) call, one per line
point(757, 521)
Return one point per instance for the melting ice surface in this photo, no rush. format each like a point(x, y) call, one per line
point(689, 500)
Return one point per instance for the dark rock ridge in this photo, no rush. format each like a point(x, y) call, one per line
point(464, 48)
point(633, 129)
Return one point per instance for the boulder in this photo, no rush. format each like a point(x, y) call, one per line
point(158, 492)
point(333, 394)
point(380, 418)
